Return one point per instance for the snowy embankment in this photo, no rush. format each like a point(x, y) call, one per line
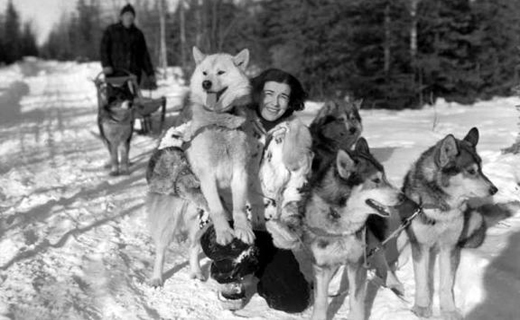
point(74, 243)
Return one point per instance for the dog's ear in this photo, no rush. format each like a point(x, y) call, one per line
point(362, 146)
point(472, 136)
point(324, 112)
point(447, 151)
point(198, 56)
point(358, 104)
point(345, 164)
point(241, 59)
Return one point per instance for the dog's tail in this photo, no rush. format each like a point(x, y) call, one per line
point(474, 231)
point(166, 217)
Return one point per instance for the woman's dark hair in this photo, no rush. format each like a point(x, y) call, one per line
point(297, 96)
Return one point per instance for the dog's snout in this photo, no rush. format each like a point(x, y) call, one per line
point(206, 84)
point(406, 206)
point(493, 190)
point(353, 130)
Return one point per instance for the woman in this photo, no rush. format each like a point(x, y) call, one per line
point(285, 163)
point(283, 166)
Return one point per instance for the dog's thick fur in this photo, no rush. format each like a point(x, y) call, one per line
point(174, 204)
point(335, 213)
point(221, 155)
point(116, 125)
point(337, 126)
point(171, 217)
point(441, 181)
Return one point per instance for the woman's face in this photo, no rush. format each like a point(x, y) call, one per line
point(275, 100)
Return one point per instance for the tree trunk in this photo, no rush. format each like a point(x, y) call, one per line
point(182, 34)
point(214, 26)
point(413, 30)
point(387, 40)
point(163, 59)
point(417, 77)
point(200, 18)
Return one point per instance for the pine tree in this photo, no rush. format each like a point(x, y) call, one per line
point(498, 55)
point(11, 34)
point(448, 38)
point(28, 41)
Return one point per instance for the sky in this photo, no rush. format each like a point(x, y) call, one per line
point(43, 13)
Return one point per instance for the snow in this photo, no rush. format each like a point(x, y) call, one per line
point(74, 242)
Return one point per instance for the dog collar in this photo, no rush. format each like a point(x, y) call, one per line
point(428, 206)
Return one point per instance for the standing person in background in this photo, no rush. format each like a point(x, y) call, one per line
point(123, 48)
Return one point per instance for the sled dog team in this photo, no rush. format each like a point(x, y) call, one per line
point(233, 174)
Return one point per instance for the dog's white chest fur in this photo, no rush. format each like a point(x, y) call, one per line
point(336, 251)
point(445, 232)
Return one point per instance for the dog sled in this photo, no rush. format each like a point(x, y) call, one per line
point(144, 107)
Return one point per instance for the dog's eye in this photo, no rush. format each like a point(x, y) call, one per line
point(376, 181)
point(221, 73)
point(341, 120)
point(472, 171)
point(204, 73)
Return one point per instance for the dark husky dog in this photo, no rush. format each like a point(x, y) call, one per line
point(116, 125)
point(338, 200)
point(441, 181)
point(336, 126)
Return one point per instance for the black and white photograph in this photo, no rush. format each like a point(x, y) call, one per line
point(259, 159)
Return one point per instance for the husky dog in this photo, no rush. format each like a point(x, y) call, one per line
point(336, 126)
point(351, 186)
point(441, 181)
point(175, 206)
point(219, 154)
point(116, 123)
point(220, 151)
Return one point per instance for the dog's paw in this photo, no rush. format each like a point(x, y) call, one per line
point(224, 237)
point(356, 315)
point(155, 283)
point(245, 233)
point(197, 275)
point(451, 315)
point(395, 285)
point(114, 173)
point(422, 312)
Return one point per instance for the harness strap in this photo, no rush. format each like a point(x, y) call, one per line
point(187, 144)
point(393, 235)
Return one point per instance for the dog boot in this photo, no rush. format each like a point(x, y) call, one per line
point(232, 295)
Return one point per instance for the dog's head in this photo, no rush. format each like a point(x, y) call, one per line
point(459, 167)
point(120, 102)
point(370, 191)
point(354, 187)
point(339, 123)
point(219, 79)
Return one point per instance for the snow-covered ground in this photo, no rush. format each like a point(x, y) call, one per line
point(74, 242)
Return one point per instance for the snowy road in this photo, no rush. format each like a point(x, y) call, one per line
point(74, 244)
